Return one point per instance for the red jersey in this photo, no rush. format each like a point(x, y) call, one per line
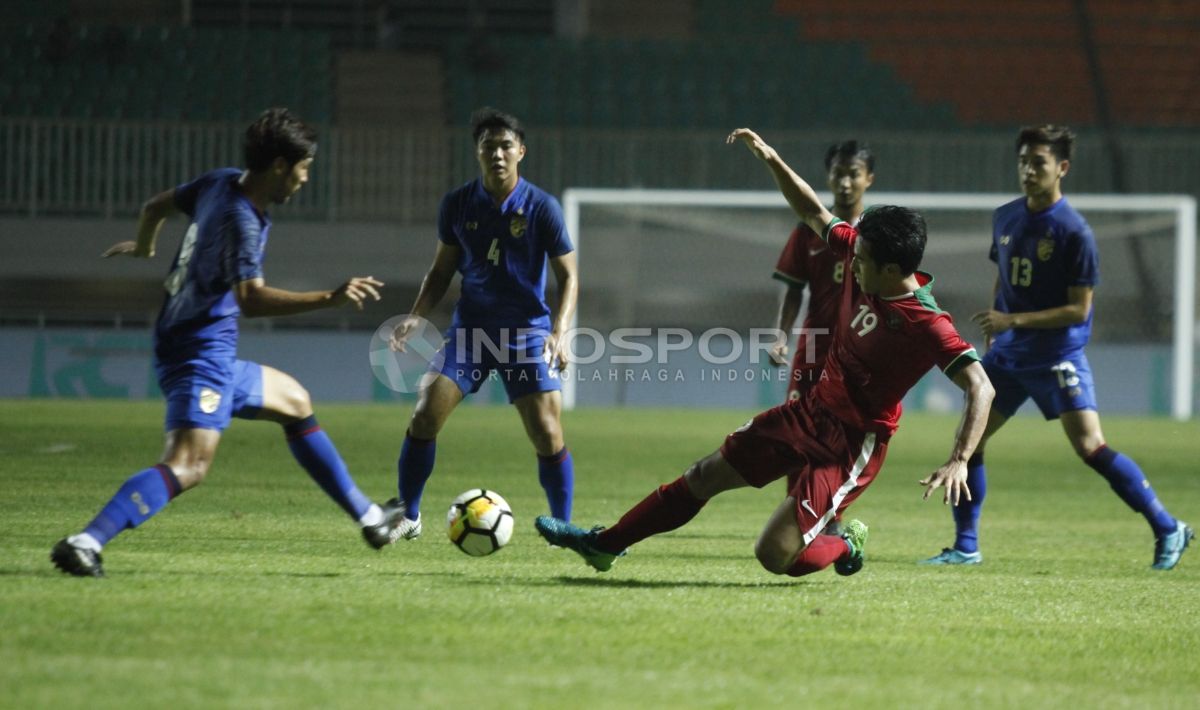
point(883, 346)
point(807, 259)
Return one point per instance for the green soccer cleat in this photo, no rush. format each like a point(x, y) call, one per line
point(563, 534)
point(855, 535)
point(1169, 548)
point(951, 556)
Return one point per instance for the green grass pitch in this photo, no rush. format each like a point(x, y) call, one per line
point(254, 590)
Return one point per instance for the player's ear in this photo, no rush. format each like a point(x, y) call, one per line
point(280, 166)
point(870, 179)
point(1063, 167)
point(521, 152)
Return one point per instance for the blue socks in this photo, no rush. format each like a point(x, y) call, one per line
point(316, 453)
point(1130, 484)
point(138, 499)
point(556, 473)
point(966, 513)
point(415, 468)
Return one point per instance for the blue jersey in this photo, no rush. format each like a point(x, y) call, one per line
point(504, 250)
point(1040, 255)
point(223, 246)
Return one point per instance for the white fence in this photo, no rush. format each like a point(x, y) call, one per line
point(97, 168)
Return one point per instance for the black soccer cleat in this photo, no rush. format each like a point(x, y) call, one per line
point(75, 560)
point(385, 533)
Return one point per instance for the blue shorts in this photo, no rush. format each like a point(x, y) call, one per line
point(515, 355)
point(206, 395)
point(1063, 386)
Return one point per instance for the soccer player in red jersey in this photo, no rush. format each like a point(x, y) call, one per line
point(830, 444)
point(807, 261)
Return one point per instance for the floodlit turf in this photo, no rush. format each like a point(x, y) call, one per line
point(255, 591)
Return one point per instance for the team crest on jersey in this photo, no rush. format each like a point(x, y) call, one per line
point(1045, 249)
point(209, 400)
point(472, 226)
point(894, 321)
point(517, 226)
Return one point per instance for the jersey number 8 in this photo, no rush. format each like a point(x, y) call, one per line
point(175, 279)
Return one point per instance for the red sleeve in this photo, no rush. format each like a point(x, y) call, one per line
point(840, 236)
point(951, 352)
point(792, 267)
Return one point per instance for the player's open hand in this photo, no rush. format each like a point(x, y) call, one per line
point(952, 475)
point(993, 322)
point(357, 291)
point(399, 340)
point(757, 145)
point(555, 352)
point(126, 248)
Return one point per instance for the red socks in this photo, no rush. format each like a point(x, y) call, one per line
point(670, 506)
point(822, 552)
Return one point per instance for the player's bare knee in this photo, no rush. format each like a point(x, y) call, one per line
point(297, 402)
point(190, 473)
point(424, 424)
point(547, 436)
point(696, 483)
point(771, 556)
point(1085, 446)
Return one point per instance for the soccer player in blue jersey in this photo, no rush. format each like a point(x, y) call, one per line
point(1036, 332)
point(499, 231)
point(216, 276)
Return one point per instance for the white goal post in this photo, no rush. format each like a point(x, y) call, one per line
point(1183, 207)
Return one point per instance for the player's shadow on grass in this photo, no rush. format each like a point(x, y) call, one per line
point(611, 583)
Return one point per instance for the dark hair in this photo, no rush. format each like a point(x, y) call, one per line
point(895, 235)
point(848, 151)
point(1060, 139)
point(277, 133)
point(487, 117)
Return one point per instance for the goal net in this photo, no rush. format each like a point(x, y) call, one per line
point(677, 294)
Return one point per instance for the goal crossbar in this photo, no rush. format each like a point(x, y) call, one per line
point(1182, 206)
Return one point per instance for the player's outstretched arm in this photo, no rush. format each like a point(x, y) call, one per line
point(433, 288)
point(973, 381)
point(258, 300)
point(789, 311)
point(798, 193)
point(150, 221)
point(566, 273)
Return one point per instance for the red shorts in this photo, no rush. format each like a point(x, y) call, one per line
point(827, 462)
point(806, 371)
point(802, 380)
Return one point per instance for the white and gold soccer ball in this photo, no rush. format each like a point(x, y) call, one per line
point(479, 522)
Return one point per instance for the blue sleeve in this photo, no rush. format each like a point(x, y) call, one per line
point(552, 229)
point(446, 219)
point(1082, 258)
point(242, 237)
point(186, 194)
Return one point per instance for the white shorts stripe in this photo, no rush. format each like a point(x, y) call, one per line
point(864, 457)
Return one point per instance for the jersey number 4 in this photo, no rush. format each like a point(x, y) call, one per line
point(494, 252)
point(175, 279)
